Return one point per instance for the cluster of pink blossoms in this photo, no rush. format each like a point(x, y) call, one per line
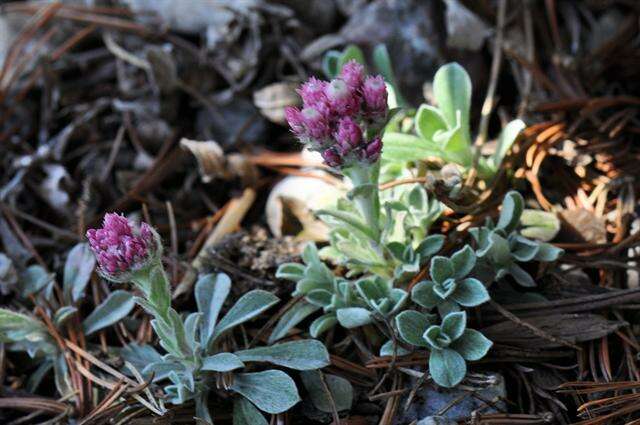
point(337, 114)
point(119, 246)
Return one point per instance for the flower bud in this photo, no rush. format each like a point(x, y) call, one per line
point(343, 100)
point(374, 92)
point(331, 157)
point(373, 149)
point(315, 124)
point(121, 247)
point(352, 73)
point(349, 134)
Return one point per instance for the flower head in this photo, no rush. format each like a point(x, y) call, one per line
point(119, 246)
point(374, 92)
point(353, 74)
point(336, 116)
point(343, 99)
point(349, 134)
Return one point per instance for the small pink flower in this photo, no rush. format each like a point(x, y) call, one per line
point(349, 134)
point(374, 92)
point(352, 73)
point(315, 124)
point(295, 120)
point(343, 100)
point(313, 93)
point(119, 246)
point(332, 158)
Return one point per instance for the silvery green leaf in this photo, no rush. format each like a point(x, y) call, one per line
point(322, 324)
point(428, 120)
point(304, 354)
point(396, 249)
point(463, 261)
point(15, 327)
point(452, 91)
point(411, 326)
point(340, 390)
point(455, 145)
point(353, 317)
point(424, 295)
point(454, 324)
point(34, 279)
point(512, 207)
point(166, 337)
point(141, 356)
point(499, 251)
point(351, 220)
point(110, 311)
point(162, 369)
point(296, 314)
point(211, 291)
point(399, 298)
point(441, 269)
point(482, 237)
point(271, 391)
point(548, 252)
point(470, 292)
point(446, 306)
point(245, 413)
point(523, 249)
point(387, 349)
point(202, 409)
point(319, 297)
point(77, 272)
point(436, 338)
point(61, 376)
point(351, 52)
point(246, 308)
point(63, 314)
point(508, 135)
point(369, 289)
point(430, 246)
point(403, 147)
point(222, 362)
point(310, 254)
point(447, 367)
point(290, 271)
point(539, 225)
point(191, 324)
point(521, 276)
point(159, 294)
point(472, 345)
point(330, 63)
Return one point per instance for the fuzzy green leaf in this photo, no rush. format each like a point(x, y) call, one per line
point(521, 276)
point(452, 90)
point(463, 261)
point(512, 207)
point(508, 135)
point(447, 367)
point(353, 317)
point(222, 362)
point(250, 305)
point(548, 252)
point(454, 324)
point(340, 390)
point(322, 324)
point(115, 308)
point(211, 291)
point(424, 295)
point(245, 413)
point(470, 292)
point(305, 354)
point(441, 269)
point(296, 314)
point(77, 272)
point(428, 120)
point(290, 271)
point(271, 391)
point(411, 327)
point(472, 345)
point(407, 147)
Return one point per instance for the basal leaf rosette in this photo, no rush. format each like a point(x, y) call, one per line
point(451, 344)
point(449, 287)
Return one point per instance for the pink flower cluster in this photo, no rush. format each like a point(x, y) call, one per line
point(337, 114)
point(119, 246)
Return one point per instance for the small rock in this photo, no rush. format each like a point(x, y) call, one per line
point(459, 404)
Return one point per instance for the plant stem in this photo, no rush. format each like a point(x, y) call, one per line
point(365, 194)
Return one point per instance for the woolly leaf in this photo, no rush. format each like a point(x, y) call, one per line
point(222, 362)
point(211, 291)
point(472, 345)
point(411, 327)
point(353, 317)
point(470, 292)
point(447, 367)
point(77, 272)
point(340, 390)
point(115, 308)
point(305, 354)
point(271, 391)
point(250, 305)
